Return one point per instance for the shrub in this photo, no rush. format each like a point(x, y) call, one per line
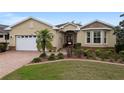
point(88, 53)
point(52, 57)
point(119, 48)
point(98, 52)
point(43, 55)
point(109, 53)
point(105, 54)
point(112, 50)
point(3, 47)
point(121, 53)
point(77, 45)
point(115, 57)
point(50, 50)
point(78, 52)
point(60, 56)
point(36, 60)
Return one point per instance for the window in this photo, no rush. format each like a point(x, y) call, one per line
point(26, 36)
point(7, 37)
point(97, 37)
point(18, 36)
point(104, 37)
point(1, 36)
point(22, 36)
point(30, 36)
point(88, 37)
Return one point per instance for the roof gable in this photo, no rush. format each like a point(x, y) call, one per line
point(29, 18)
point(68, 23)
point(70, 26)
point(97, 24)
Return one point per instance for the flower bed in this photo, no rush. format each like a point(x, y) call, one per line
point(108, 55)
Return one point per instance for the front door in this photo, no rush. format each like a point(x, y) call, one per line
point(70, 38)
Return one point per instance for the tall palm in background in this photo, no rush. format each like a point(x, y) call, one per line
point(43, 40)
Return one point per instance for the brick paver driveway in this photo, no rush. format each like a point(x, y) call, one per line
point(12, 60)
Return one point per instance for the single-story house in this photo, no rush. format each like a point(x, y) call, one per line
point(4, 34)
point(93, 34)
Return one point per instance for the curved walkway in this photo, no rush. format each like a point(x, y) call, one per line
point(96, 61)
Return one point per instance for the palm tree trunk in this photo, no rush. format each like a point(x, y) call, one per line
point(44, 46)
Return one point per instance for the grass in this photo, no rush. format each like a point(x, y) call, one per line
point(68, 70)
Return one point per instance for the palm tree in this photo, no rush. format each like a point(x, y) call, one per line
point(43, 40)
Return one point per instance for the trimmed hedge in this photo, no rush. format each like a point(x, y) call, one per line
point(43, 55)
point(36, 60)
point(52, 57)
point(60, 56)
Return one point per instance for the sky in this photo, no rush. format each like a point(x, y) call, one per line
point(54, 18)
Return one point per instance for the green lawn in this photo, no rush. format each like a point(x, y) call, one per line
point(71, 70)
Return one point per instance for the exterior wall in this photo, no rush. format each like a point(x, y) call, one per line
point(30, 27)
point(69, 27)
point(81, 37)
point(110, 40)
point(60, 40)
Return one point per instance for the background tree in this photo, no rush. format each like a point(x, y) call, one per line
point(43, 40)
point(119, 32)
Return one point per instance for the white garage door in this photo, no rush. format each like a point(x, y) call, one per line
point(26, 43)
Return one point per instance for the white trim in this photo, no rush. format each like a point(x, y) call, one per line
point(9, 28)
point(92, 37)
point(102, 37)
point(97, 21)
point(97, 29)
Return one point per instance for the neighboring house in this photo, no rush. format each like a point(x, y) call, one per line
point(94, 34)
point(4, 34)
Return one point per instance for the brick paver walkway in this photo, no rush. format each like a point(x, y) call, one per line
point(12, 60)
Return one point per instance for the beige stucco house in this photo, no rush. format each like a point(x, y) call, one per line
point(93, 34)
